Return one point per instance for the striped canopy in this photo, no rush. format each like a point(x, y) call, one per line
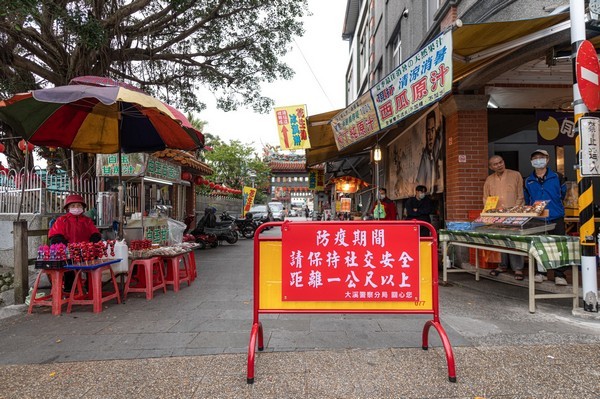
point(97, 119)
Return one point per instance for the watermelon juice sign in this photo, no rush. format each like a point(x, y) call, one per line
point(421, 80)
point(350, 262)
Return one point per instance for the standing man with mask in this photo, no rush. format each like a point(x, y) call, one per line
point(507, 185)
point(384, 208)
point(546, 185)
point(420, 207)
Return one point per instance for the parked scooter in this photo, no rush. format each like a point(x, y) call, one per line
point(260, 219)
point(245, 226)
point(202, 237)
point(225, 231)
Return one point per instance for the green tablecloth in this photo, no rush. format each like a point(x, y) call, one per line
point(549, 251)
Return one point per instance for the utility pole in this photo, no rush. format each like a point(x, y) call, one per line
point(586, 196)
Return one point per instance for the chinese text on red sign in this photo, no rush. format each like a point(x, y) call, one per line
point(350, 262)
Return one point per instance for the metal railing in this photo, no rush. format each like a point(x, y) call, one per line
point(41, 192)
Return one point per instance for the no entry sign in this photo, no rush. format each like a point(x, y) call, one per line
point(588, 75)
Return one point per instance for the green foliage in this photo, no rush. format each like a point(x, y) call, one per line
point(233, 164)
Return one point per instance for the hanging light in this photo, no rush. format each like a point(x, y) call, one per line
point(377, 153)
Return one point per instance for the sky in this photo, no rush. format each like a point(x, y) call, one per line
point(319, 59)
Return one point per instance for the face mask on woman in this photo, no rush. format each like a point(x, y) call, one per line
point(420, 196)
point(538, 163)
point(380, 196)
point(76, 211)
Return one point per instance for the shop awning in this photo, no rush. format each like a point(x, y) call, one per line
point(478, 45)
point(323, 144)
point(321, 138)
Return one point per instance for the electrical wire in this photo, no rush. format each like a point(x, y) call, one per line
point(313, 73)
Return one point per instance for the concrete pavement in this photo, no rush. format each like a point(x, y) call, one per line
point(194, 343)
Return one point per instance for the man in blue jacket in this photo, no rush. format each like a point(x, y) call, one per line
point(546, 185)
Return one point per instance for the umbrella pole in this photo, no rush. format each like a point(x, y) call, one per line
point(121, 197)
point(24, 180)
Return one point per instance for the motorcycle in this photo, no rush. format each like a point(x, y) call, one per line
point(245, 226)
point(202, 237)
point(260, 219)
point(225, 231)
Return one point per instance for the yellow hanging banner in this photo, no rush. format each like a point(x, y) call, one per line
point(248, 200)
point(292, 127)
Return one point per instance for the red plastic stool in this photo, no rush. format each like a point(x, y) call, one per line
point(175, 276)
point(146, 270)
point(95, 296)
point(191, 259)
point(57, 296)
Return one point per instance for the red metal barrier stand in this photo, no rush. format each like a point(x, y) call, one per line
point(289, 301)
point(436, 312)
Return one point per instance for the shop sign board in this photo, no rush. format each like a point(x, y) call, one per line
point(588, 75)
point(356, 122)
point(346, 204)
point(131, 164)
point(316, 179)
point(136, 165)
point(421, 80)
point(589, 136)
point(292, 127)
point(163, 170)
point(351, 263)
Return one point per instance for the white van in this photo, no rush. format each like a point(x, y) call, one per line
point(277, 210)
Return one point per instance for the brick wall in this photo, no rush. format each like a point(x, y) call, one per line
point(466, 137)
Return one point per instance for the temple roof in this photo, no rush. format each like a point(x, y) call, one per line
point(185, 159)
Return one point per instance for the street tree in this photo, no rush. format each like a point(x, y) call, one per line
point(234, 163)
point(167, 48)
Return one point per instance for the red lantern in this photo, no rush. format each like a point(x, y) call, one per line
point(211, 185)
point(2, 148)
point(198, 180)
point(186, 176)
point(25, 146)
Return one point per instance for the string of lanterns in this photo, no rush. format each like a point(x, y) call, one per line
point(200, 181)
point(23, 146)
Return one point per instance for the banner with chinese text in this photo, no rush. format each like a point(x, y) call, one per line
point(421, 80)
point(351, 262)
point(292, 127)
point(316, 179)
point(356, 122)
point(248, 199)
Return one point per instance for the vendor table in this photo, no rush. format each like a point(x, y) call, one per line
point(95, 296)
point(545, 251)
